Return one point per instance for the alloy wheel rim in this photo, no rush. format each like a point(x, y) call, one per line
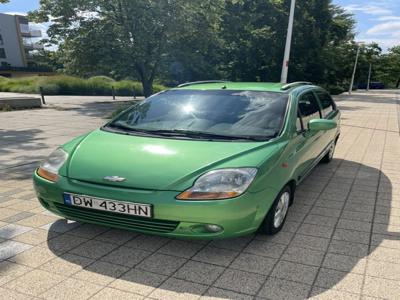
point(281, 209)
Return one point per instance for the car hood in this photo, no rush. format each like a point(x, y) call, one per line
point(157, 163)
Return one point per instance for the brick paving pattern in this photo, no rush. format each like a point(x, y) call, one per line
point(341, 239)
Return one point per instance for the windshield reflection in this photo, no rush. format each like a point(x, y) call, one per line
point(214, 112)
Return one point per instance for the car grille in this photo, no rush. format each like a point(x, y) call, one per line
point(117, 220)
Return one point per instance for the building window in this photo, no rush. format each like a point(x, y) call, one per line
point(1, 40)
point(2, 53)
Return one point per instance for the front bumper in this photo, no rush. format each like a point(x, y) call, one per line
point(173, 218)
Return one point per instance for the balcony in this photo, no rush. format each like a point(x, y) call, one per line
point(31, 33)
point(33, 46)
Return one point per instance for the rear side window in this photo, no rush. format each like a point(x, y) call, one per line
point(308, 108)
point(327, 103)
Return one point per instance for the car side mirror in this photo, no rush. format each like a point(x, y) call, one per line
point(321, 124)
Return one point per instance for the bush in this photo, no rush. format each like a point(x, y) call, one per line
point(22, 85)
point(101, 85)
point(105, 79)
point(158, 88)
point(127, 87)
point(50, 89)
point(69, 85)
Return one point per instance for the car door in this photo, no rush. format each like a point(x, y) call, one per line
point(306, 143)
point(330, 112)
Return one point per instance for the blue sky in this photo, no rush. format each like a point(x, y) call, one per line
point(377, 20)
point(19, 6)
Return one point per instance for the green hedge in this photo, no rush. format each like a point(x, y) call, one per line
point(69, 85)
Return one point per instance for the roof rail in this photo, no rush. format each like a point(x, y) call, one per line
point(294, 84)
point(201, 82)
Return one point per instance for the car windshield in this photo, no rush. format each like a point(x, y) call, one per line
point(212, 114)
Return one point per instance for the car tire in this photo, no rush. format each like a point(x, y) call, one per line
point(276, 217)
point(329, 155)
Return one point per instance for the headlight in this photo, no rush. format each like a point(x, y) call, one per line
point(49, 168)
point(220, 184)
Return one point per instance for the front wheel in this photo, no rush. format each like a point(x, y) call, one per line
point(275, 219)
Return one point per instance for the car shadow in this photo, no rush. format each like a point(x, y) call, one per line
point(163, 267)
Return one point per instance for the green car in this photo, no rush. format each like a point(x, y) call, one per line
point(204, 160)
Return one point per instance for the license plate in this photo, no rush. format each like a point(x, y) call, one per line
point(119, 207)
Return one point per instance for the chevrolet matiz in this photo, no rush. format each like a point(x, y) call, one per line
point(207, 160)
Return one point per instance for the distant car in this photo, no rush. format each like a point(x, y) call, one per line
point(372, 85)
point(203, 160)
point(377, 85)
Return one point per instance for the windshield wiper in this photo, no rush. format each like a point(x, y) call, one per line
point(128, 129)
point(202, 134)
point(186, 133)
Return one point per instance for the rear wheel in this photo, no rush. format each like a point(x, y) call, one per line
point(329, 156)
point(276, 217)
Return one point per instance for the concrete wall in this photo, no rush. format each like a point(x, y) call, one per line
point(19, 103)
point(11, 41)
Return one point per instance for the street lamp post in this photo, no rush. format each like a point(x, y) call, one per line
point(355, 68)
point(369, 76)
point(285, 65)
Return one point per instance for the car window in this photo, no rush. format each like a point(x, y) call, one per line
point(326, 101)
point(224, 112)
point(308, 108)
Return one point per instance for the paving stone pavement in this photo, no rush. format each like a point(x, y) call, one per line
point(341, 239)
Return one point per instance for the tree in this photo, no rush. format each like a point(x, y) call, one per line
point(128, 36)
point(187, 40)
point(197, 53)
point(46, 59)
point(369, 55)
point(395, 57)
point(254, 34)
point(388, 70)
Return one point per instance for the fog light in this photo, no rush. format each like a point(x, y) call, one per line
point(212, 228)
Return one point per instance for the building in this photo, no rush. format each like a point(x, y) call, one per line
point(17, 43)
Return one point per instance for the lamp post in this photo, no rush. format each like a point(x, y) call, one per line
point(355, 67)
point(285, 65)
point(369, 76)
